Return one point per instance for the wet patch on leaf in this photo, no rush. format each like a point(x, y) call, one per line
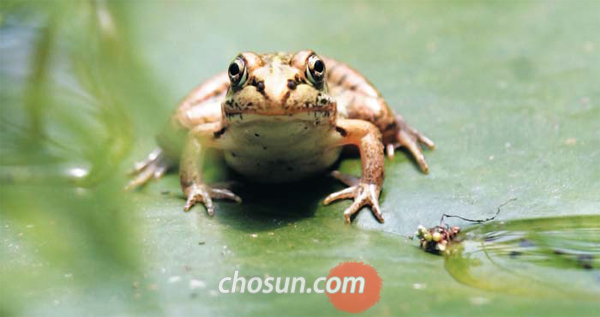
point(535, 257)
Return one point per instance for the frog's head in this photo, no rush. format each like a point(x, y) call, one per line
point(277, 85)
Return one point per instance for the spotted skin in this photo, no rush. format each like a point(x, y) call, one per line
point(283, 117)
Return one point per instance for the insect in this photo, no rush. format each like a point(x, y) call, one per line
point(437, 239)
point(282, 117)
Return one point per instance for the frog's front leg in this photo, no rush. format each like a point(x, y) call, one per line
point(191, 170)
point(366, 190)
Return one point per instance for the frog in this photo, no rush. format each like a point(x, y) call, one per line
point(282, 117)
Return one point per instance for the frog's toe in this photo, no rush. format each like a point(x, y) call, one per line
point(154, 170)
point(348, 192)
point(222, 193)
point(349, 180)
point(204, 194)
point(390, 150)
point(412, 140)
point(138, 167)
point(411, 143)
point(425, 140)
point(154, 166)
point(199, 194)
point(363, 194)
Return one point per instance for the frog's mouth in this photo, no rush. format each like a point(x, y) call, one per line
point(278, 116)
point(308, 112)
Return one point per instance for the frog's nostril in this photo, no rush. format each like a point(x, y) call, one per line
point(260, 86)
point(291, 84)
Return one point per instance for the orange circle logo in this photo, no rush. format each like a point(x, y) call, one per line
point(353, 287)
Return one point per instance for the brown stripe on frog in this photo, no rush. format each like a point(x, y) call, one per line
point(342, 80)
point(331, 69)
point(218, 134)
point(285, 98)
point(342, 75)
point(213, 87)
point(341, 131)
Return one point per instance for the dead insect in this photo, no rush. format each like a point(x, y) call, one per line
point(437, 239)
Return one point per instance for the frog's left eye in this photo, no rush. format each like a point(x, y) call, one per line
point(237, 72)
point(315, 70)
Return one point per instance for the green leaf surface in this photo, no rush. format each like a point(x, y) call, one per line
point(508, 90)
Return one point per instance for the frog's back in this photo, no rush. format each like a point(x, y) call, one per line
point(203, 104)
point(357, 98)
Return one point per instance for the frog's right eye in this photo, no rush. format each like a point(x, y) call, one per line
point(237, 72)
point(315, 70)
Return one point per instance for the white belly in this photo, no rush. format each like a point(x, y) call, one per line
point(280, 151)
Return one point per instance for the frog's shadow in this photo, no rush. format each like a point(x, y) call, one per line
point(267, 206)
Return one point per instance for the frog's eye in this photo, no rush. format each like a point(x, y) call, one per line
point(237, 72)
point(315, 70)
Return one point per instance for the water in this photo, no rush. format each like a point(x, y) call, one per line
point(533, 257)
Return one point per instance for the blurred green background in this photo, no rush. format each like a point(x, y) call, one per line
point(508, 90)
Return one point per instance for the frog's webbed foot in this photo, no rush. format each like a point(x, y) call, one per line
point(363, 194)
point(201, 193)
point(154, 166)
point(411, 139)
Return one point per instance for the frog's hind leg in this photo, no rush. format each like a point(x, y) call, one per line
point(368, 105)
point(153, 167)
point(412, 140)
